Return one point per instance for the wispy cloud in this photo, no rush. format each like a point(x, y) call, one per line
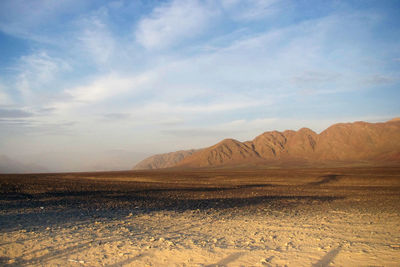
point(36, 72)
point(116, 116)
point(172, 23)
point(250, 9)
point(14, 113)
point(95, 38)
point(107, 86)
point(259, 123)
point(379, 79)
point(36, 20)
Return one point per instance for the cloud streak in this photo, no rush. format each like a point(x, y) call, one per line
point(14, 114)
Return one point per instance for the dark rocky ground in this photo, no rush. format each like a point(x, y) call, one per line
point(47, 206)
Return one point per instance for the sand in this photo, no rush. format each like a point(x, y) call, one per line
point(298, 217)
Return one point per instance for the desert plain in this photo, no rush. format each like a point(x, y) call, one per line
point(347, 216)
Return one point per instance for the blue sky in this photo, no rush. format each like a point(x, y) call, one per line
point(93, 85)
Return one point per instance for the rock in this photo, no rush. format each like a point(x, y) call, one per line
point(266, 261)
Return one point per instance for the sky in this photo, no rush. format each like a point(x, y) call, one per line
point(100, 85)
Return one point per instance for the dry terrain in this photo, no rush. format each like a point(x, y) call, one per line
point(270, 217)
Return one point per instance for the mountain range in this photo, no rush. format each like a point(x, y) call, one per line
point(342, 143)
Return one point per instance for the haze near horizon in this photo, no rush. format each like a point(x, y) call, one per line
point(100, 85)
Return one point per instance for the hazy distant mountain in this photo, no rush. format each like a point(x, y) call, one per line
point(342, 142)
point(163, 160)
point(8, 165)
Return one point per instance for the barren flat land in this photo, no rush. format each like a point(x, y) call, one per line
point(267, 217)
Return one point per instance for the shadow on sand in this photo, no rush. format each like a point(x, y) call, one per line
point(328, 258)
point(325, 179)
point(69, 208)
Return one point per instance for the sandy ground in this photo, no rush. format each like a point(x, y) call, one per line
point(298, 217)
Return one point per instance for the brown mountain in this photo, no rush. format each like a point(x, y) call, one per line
point(228, 151)
point(340, 143)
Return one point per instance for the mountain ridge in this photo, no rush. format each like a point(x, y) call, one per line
point(341, 142)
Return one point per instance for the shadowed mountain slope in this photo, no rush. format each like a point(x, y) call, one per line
point(342, 142)
point(228, 150)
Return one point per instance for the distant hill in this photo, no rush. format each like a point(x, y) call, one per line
point(8, 165)
point(340, 143)
point(163, 160)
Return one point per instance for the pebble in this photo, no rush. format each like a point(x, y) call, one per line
point(266, 261)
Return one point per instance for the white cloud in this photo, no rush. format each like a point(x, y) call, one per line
point(107, 86)
point(172, 22)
